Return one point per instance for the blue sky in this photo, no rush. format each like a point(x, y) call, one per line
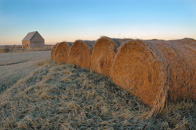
point(69, 20)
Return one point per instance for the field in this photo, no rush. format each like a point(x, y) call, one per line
point(19, 49)
point(14, 66)
point(36, 93)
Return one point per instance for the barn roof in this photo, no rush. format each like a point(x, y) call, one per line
point(29, 36)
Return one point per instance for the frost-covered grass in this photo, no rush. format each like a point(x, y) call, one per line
point(13, 58)
point(60, 96)
point(14, 66)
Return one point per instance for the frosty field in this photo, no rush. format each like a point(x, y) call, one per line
point(14, 66)
point(37, 93)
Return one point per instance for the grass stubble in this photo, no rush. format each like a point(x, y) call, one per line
point(14, 66)
point(62, 96)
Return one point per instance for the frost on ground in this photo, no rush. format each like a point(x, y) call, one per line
point(14, 66)
point(60, 96)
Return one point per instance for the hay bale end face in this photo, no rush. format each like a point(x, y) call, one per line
point(53, 51)
point(62, 52)
point(80, 54)
point(157, 70)
point(103, 55)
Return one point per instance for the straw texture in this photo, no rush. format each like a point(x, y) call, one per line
point(53, 51)
point(157, 70)
point(80, 54)
point(103, 55)
point(62, 52)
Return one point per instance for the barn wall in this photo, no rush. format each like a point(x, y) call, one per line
point(37, 41)
point(37, 44)
point(25, 44)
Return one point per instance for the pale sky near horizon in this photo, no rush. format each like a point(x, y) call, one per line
point(70, 20)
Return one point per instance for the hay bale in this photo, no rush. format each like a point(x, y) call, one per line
point(120, 42)
point(90, 44)
point(103, 55)
point(157, 70)
point(53, 51)
point(80, 54)
point(62, 52)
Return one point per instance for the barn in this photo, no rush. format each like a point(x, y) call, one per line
point(33, 40)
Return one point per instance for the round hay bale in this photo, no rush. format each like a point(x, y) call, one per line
point(62, 52)
point(157, 70)
point(120, 42)
point(53, 51)
point(103, 55)
point(80, 54)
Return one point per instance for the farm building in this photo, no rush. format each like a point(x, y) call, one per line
point(33, 40)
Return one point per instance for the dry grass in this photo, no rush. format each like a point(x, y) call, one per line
point(59, 96)
point(14, 66)
point(19, 49)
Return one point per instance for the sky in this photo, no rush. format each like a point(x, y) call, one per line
point(70, 20)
